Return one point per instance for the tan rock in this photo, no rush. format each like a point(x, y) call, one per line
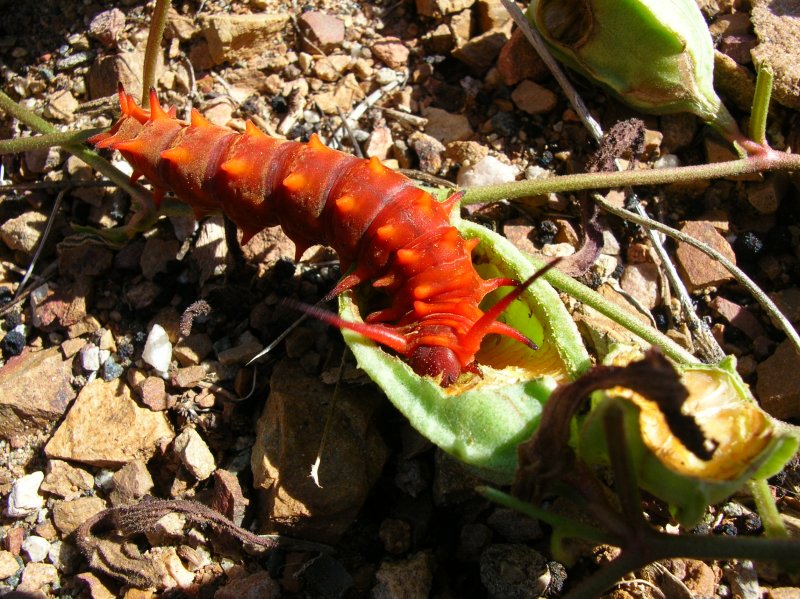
point(701, 271)
point(35, 391)
point(241, 37)
point(37, 578)
point(480, 52)
point(533, 98)
point(195, 455)
point(288, 438)
point(131, 483)
point(392, 52)
point(446, 126)
point(641, 282)
point(65, 480)
point(69, 515)
point(518, 60)
point(23, 232)
point(8, 564)
point(105, 427)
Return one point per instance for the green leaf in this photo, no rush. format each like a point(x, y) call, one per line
point(480, 420)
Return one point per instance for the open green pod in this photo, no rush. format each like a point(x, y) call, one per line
point(480, 420)
point(655, 55)
point(749, 443)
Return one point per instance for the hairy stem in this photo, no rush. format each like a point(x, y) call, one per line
point(765, 505)
point(760, 109)
point(767, 161)
point(157, 24)
point(39, 142)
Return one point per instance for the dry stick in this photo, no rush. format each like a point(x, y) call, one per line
point(42, 241)
point(707, 345)
point(762, 298)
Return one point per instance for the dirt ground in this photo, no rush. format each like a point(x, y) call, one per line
point(124, 370)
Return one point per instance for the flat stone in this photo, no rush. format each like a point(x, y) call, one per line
point(37, 578)
point(701, 271)
point(288, 437)
point(256, 586)
point(61, 106)
point(35, 391)
point(131, 483)
point(392, 52)
point(186, 378)
point(105, 427)
point(323, 32)
point(69, 515)
point(480, 52)
point(533, 98)
point(241, 37)
point(22, 233)
point(778, 386)
point(446, 126)
point(641, 282)
point(62, 479)
point(518, 60)
point(192, 349)
point(194, 454)
point(738, 316)
point(411, 577)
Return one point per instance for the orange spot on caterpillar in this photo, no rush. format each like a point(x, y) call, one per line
point(156, 112)
point(407, 257)
point(251, 130)
point(295, 182)
point(198, 120)
point(422, 292)
point(315, 143)
point(386, 233)
point(177, 155)
point(376, 166)
point(235, 167)
point(345, 203)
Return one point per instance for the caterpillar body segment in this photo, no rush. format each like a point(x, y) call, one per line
point(385, 230)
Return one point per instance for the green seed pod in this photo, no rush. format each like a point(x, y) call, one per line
point(480, 421)
point(655, 55)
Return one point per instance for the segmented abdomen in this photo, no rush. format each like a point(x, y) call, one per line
point(384, 229)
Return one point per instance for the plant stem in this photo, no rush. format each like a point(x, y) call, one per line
point(760, 109)
point(767, 161)
point(765, 505)
point(90, 157)
point(38, 142)
point(591, 298)
point(566, 526)
point(157, 24)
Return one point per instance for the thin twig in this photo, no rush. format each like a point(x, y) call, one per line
point(42, 241)
point(762, 298)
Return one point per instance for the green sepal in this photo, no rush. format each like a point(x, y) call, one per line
point(751, 444)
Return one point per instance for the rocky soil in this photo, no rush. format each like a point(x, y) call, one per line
point(124, 369)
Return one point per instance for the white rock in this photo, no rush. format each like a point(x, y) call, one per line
point(36, 547)
point(24, 498)
point(90, 357)
point(489, 171)
point(194, 454)
point(158, 349)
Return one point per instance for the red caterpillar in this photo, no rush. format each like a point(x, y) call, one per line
point(384, 228)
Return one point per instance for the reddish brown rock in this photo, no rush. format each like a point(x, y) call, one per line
point(106, 26)
point(480, 52)
point(255, 586)
point(740, 317)
point(35, 391)
point(518, 60)
point(131, 483)
point(320, 31)
point(228, 498)
point(778, 387)
point(391, 52)
point(701, 271)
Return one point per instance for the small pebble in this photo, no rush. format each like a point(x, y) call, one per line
point(90, 357)
point(112, 370)
point(24, 498)
point(158, 349)
point(13, 343)
point(36, 547)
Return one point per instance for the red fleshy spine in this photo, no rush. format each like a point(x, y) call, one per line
point(385, 230)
